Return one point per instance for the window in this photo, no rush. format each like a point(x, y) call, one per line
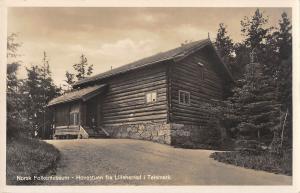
point(74, 118)
point(201, 70)
point(200, 64)
point(184, 97)
point(151, 97)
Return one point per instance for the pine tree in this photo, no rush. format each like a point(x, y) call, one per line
point(241, 59)
point(255, 97)
point(255, 101)
point(255, 31)
point(40, 90)
point(283, 42)
point(70, 78)
point(225, 47)
point(83, 69)
point(14, 97)
point(12, 68)
point(262, 98)
point(12, 46)
point(284, 37)
point(277, 57)
point(224, 43)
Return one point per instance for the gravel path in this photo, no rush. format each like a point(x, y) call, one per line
point(137, 162)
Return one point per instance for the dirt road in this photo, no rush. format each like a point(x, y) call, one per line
point(136, 162)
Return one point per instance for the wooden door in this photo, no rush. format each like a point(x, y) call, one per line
point(91, 113)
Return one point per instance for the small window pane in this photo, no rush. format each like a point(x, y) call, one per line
point(74, 118)
point(180, 97)
point(153, 97)
point(71, 119)
point(148, 97)
point(184, 97)
point(187, 98)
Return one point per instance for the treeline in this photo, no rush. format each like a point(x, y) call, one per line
point(259, 107)
point(27, 99)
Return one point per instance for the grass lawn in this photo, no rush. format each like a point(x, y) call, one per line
point(275, 163)
point(28, 157)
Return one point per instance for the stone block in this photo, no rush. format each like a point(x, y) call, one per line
point(175, 126)
point(160, 132)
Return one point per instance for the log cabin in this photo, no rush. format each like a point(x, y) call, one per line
point(157, 98)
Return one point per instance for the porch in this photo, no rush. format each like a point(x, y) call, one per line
point(78, 114)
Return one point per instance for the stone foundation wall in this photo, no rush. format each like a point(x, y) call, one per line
point(158, 132)
point(173, 134)
point(184, 134)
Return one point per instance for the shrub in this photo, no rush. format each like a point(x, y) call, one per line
point(28, 157)
point(259, 160)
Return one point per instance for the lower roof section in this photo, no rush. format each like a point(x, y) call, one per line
point(83, 94)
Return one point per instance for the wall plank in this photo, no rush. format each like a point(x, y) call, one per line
point(187, 76)
point(125, 100)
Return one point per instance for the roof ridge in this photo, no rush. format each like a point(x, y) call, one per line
point(161, 56)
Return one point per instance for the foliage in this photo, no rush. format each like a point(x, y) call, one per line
point(240, 60)
point(40, 89)
point(284, 37)
point(220, 115)
point(25, 156)
point(278, 59)
point(283, 40)
point(70, 78)
point(28, 157)
point(225, 48)
point(263, 160)
point(260, 110)
point(256, 104)
point(12, 46)
point(262, 96)
point(225, 45)
point(83, 69)
point(14, 97)
point(254, 30)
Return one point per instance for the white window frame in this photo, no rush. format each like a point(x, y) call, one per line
point(73, 115)
point(152, 96)
point(200, 64)
point(185, 93)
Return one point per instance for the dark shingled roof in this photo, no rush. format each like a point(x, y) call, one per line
point(81, 94)
point(181, 51)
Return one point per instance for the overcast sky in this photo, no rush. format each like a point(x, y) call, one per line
point(116, 36)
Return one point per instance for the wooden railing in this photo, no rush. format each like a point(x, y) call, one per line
point(82, 133)
point(106, 133)
point(67, 130)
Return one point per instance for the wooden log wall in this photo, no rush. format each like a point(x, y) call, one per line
point(203, 83)
point(62, 114)
point(125, 99)
point(83, 120)
point(92, 111)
